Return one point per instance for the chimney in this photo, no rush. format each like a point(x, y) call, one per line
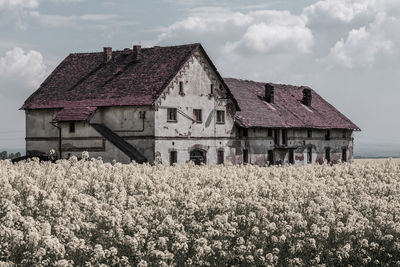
point(107, 54)
point(306, 97)
point(269, 93)
point(137, 53)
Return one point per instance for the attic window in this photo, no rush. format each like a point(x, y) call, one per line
point(171, 113)
point(181, 88)
point(72, 127)
point(220, 116)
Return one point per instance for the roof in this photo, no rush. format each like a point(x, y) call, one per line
point(287, 110)
point(86, 80)
point(75, 114)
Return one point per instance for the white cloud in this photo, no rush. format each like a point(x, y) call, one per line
point(23, 71)
point(18, 4)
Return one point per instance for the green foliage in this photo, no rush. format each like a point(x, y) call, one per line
point(90, 213)
point(5, 155)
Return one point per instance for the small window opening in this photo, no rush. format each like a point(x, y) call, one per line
point(220, 116)
point(276, 136)
point(309, 155)
point(212, 89)
point(309, 133)
point(291, 156)
point(270, 157)
point(173, 157)
point(171, 113)
point(181, 88)
point(284, 137)
point(328, 135)
point(220, 157)
point(269, 132)
point(245, 132)
point(72, 127)
point(344, 134)
point(197, 115)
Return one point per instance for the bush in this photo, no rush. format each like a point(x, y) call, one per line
point(92, 213)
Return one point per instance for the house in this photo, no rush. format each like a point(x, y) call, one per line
point(171, 103)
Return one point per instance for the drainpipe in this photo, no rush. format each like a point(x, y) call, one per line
point(59, 138)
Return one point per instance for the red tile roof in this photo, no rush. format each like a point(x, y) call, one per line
point(75, 114)
point(287, 110)
point(86, 80)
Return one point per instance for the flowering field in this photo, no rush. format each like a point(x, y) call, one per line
point(89, 213)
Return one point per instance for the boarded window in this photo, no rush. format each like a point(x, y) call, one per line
point(220, 116)
point(328, 155)
point(245, 156)
point(197, 115)
point(72, 127)
point(173, 157)
point(270, 157)
point(284, 137)
point(171, 114)
point(220, 159)
point(181, 92)
point(291, 156)
point(309, 155)
point(344, 155)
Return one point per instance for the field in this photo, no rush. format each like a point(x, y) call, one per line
point(90, 213)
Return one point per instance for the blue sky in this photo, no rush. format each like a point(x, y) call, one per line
point(347, 50)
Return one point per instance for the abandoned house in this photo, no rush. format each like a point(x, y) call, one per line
point(171, 102)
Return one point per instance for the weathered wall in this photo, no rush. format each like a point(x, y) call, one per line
point(185, 134)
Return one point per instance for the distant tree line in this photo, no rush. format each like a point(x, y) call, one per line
point(5, 155)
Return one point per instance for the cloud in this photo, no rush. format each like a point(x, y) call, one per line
point(18, 4)
point(21, 72)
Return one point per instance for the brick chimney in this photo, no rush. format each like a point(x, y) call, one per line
point(137, 53)
point(107, 54)
point(306, 97)
point(269, 93)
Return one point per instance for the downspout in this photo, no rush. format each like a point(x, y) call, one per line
point(59, 137)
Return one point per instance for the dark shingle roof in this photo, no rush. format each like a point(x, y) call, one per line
point(86, 80)
point(287, 111)
point(75, 114)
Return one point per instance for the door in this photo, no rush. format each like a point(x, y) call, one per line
point(198, 157)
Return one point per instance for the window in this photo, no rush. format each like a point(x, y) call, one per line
point(284, 137)
point(211, 89)
point(276, 136)
point(269, 132)
point(245, 132)
point(344, 134)
point(181, 88)
point(72, 127)
point(173, 157)
point(245, 156)
point(309, 155)
point(291, 156)
point(309, 133)
point(142, 114)
point(328, 135)
point(220, 116)
point(328, 155)
point(171, 113)
point(220, 155)
point(344, 155)
point(197, 115)
point(270, 157)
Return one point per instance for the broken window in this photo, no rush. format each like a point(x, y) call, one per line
point(328, 155)
point(171, 113)
point(220, 159)
point(72, 127)
point(309, 155)
point(245, 156)
point(328, 135)
point(284, 137)
point(220, 116)
point(197, 115)
point(344, 155)
point(173, 157)
point(309, 133)
point(181, 92)
point(291, 156)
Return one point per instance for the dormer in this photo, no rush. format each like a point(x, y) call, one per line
point(269, 93)
point(306, 97)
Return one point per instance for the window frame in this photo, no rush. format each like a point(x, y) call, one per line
point(196, 118)
point(174, 119)
point(220, 156)
point(220, 119)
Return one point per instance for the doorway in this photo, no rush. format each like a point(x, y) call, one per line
point(198, 156)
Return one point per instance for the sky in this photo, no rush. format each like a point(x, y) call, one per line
point(346, 50)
